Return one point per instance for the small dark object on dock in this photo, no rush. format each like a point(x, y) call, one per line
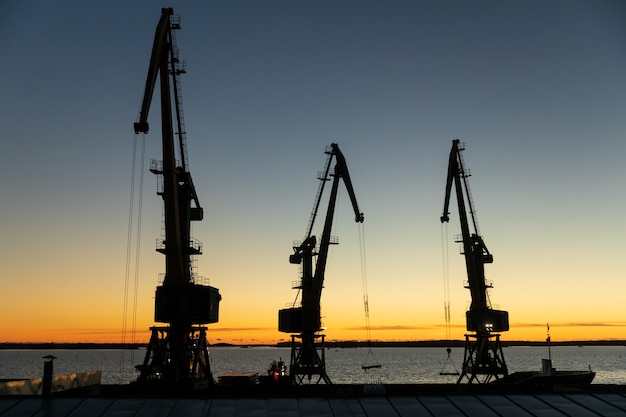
point(239, 378)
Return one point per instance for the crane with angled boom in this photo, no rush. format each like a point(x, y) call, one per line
point(483, 358)
point(304, 322)
point(177, 357)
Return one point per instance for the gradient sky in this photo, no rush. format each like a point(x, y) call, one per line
point(536, 90)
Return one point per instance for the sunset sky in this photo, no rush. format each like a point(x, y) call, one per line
point(535, 89)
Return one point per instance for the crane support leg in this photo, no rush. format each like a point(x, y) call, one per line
point(483, 359)
point(306, 360)
point(163, 360)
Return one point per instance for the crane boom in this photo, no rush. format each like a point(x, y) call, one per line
point(306, 320)
point(481, 318)
point(158, 63)
point(341, 172)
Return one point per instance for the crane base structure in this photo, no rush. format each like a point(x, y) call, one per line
point(308, 360)
point(164, 360)
point(483, 359)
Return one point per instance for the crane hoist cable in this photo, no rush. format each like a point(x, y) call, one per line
point(364, 283)
point(371, 362)
point(129, 249)
point(129, 235)
point(446, 277)
point(448, 369)
point(138, 244)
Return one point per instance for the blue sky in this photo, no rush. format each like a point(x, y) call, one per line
point(536, 90)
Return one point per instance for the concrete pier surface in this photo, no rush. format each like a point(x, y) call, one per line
point(397, 401)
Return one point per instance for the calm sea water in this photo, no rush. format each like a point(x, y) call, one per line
point(398, 365)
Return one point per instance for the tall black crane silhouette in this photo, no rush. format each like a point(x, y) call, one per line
point(305, 320)
point(483, 357)
point(177, 357)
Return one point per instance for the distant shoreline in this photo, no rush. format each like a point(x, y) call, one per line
point(328, 344)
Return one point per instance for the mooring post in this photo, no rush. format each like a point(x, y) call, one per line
point(48, 371)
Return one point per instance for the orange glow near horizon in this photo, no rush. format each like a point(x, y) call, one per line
point(268, 336)
point(60, 312)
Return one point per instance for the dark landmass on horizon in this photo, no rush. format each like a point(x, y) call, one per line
point(327, 344)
